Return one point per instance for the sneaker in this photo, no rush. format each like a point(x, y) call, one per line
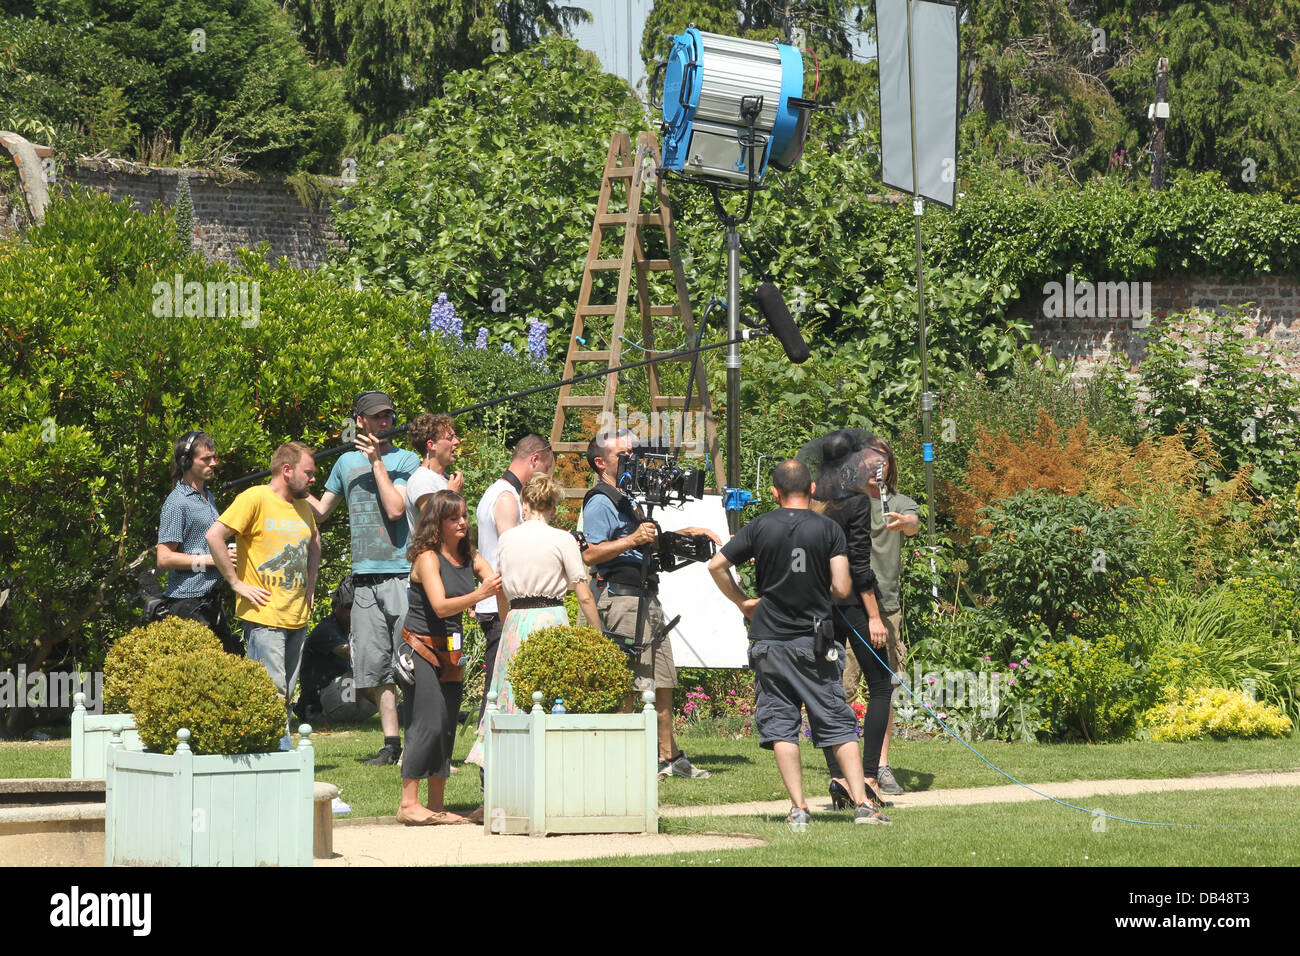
point(869, 813)
point(888, 783)
point(665, 768)
point(386, 756)
point(799, 818)
point(338, 807)
point(682, 767)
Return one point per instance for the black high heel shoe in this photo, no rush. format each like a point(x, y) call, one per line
point(841, 800)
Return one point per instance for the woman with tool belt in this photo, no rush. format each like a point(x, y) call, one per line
point(539, 564)
point(443, 570)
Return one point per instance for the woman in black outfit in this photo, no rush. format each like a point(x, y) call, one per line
point(443, 570)
point(848, 462)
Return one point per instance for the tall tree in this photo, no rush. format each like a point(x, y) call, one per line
point(396, 54)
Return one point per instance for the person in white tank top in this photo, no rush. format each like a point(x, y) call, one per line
point(499, 510)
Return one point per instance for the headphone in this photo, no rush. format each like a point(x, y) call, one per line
point(185, 459)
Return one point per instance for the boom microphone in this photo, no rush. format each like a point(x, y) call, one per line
point(778, 318)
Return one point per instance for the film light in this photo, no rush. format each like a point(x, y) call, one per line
point(724, 98)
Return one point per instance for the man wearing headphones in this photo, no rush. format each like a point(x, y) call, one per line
point(194, 589)
point(373, 481)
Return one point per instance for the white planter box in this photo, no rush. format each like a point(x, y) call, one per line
point(571, 773)
point(90, 735)
point(183, 809)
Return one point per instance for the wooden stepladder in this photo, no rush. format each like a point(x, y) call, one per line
point(599, 328)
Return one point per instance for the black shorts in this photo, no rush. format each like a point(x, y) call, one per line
point(789, 674)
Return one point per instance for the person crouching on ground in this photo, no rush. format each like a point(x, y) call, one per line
point(801, 559)
point(443, 570)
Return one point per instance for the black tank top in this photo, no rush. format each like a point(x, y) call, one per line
point(457, 580)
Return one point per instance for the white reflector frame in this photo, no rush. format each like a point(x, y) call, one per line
point(934, 66)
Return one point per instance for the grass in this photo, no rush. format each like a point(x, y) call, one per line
point(743, 772)
point(1034, 834)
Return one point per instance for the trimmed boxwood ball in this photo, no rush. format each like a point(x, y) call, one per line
point(577, 664)
point(134, 651)
point(229, 704)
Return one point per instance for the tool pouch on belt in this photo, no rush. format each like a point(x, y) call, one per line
point(445, 659)
point(824, 645)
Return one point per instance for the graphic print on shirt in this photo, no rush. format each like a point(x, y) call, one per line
point(798, 561)
point(291, 563)
point(372, 538)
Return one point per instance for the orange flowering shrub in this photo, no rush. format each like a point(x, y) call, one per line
point(1191, 521)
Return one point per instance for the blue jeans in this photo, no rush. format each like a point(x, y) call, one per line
point(279, 650)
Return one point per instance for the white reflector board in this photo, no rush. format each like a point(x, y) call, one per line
point(712, 630)
point(934, 67)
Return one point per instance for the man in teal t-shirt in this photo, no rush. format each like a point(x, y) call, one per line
point(372, 480)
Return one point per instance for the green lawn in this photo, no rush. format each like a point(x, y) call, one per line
point(744, 772)
point(1025, 834)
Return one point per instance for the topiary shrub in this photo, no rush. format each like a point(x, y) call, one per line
point(229, 704)
point(577, 664)
point(135, 650)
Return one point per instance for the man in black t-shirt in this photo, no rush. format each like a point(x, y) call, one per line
point(801, 560)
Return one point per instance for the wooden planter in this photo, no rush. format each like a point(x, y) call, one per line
point(90, 736)
point(570, 773)
point(184, 809)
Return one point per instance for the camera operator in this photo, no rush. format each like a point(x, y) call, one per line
point(617, 534)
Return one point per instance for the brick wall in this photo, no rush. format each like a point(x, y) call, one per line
point(1274, 319)
point(228, 212)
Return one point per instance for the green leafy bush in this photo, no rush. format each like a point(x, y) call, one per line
point(229, 704)
point(134, 652)
point(1215, 712)
point(577, 664)
point(1201, 373)
point(1060, 557)
point(1090, 690)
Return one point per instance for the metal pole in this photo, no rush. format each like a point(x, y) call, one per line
point(1158, 145)
point(927, 400)
point(733, 368)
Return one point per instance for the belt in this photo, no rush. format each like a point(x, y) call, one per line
point(627, 590)
point(524, 603)
point(366, 580)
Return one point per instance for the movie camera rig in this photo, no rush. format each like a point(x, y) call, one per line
point(650, 477)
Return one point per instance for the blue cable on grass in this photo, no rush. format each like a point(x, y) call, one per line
point(1091, 813)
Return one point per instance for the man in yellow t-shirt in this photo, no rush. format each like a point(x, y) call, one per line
point(279, 555)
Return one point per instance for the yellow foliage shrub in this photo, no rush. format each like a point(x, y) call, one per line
point(1215, 712)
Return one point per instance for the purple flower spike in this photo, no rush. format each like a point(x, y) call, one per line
point(537, 340)
point(481, 341)
point(443, 320)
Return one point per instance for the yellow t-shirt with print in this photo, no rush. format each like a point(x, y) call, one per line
point(273, 538)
